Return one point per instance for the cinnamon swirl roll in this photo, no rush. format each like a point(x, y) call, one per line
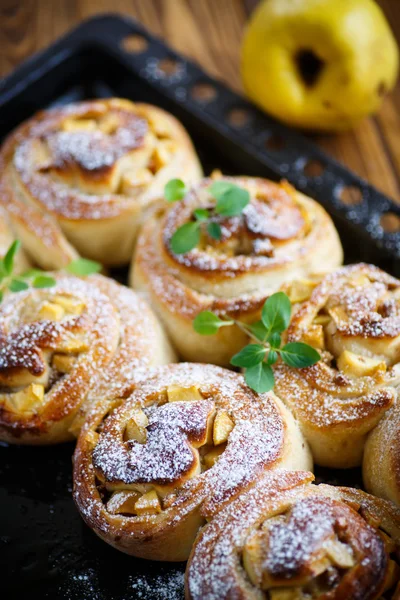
point(78, 178)
point(353, 319)
point(281, 235)
point(61, 346)
point(187, 441)
point(284, 541)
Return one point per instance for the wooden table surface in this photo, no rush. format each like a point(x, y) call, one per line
point(208, 31)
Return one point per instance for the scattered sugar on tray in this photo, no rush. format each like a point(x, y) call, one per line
point(166, 586)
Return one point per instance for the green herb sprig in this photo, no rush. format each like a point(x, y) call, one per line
point(256, 358)
point(230, 202)
point(36, 278)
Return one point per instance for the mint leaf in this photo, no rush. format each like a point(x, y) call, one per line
point(1, 295)
point(201, 214)
point(275, 340)
point(43, 281)
point(276, 313)
point(249, 356)
point(272, 357)
point(207, 323)
point(8, 260)
point(174, 190)
point(260, 378)
point(83, 267)
point(32, 273)
point(232, 201)
point(259, 330)
point(218, 188)
point(299, 355)
point(185, 238)
point(214, 230)
point(17, 285)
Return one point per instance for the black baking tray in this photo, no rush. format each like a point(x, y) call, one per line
point(46, 551)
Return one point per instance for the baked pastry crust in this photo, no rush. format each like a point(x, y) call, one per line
point(353, 319)
point(187, 441)
point(79, 178)
point(274, 241)
point(381, 461)
point(21, 261)
point(64, 345)
point(287, 539)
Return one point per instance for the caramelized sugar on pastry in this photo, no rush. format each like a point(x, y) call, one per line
point(148, 473)
point(78, 178)
point(285, 539)
point(281, 235)
point(60, 346)
point(353, 319)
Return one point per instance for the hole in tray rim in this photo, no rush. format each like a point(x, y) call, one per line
point(313, 167)
point(390, 222)
point(275, 142)
point(203, 92)
point(135, 43)
point(239, 117)
point(350, 195)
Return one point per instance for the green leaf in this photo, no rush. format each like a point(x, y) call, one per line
point(276, 313)
point(174, 190)
point(43, 281)
point(207, 323)
point(32, 273)
point(185, 238)
point(299, 355)
point(3, 273)
point(201, 214)
point(1, 295)
point(260, 378)
point(275, 340)
point(232, 201)
point(249, 356)
point(214, 230)
point(83, 267)
point(218, 188)
point(8, 260)
point(259, 330)
point(272, 357)
point(17, 285)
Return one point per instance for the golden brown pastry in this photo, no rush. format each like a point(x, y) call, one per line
point(78, 178)
point(285, 539)
point(63, 346)
point(353, 319)
point(21, 261)
point(188, 440)
point(281, 235)
point(381, 462)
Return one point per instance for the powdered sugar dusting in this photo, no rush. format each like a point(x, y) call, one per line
point(288, 544)
point(95, 340)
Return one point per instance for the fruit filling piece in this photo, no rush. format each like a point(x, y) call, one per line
point(174, 439)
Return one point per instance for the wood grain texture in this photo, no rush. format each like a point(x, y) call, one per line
point(208, 31)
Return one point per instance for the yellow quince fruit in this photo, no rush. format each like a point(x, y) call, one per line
point(319, 64)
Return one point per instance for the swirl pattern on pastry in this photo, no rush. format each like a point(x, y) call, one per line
point(78, 178)
point(187, 441)
point(61, 347)
point(285, 539)
point(353, 319)
point(272, 241)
